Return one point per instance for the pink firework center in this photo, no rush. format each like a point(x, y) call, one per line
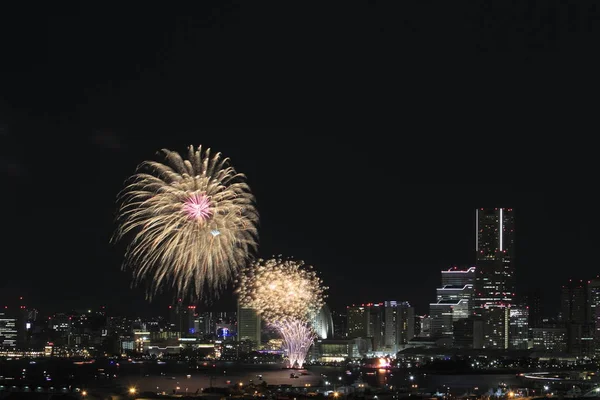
point(197, 207)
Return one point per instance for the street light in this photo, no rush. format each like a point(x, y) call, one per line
point(132, 390)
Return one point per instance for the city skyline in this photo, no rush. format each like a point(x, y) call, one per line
point(340, 298)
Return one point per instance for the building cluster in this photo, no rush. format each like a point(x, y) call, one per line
point(94, 332)
point(476, 307)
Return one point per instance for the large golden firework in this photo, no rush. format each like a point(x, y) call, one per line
point(193, 223)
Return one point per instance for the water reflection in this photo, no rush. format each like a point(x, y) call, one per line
point(415, 380)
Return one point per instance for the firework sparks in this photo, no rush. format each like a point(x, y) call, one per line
point(297, 336)
point(197, 207)
point(287, 295)
point(193, 222)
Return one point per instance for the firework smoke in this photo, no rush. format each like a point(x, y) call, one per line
point(193, 222)
point(287, 295)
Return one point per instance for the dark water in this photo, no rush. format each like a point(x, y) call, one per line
point(457, 383)
point(104, 371)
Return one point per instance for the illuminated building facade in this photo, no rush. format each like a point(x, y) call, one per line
point(389, 325)
point(336, 350)
point(550, 339)
point(593, 316)
point(248, 325)
point(423, 326)
point(519, 327)
point(456, 276)
point(8, 331)
point(496, 327)
point(399, 325)
point(454, 300)
point(323, 323)
point(366, 321)
point(358, 318)
point(444, 313)
point(593, 298)
point(495, 277)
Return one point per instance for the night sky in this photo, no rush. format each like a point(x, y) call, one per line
point(384, 129)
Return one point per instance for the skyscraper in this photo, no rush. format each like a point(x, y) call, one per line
point(249, 325)
point(533, 300)
point(574, 310)
point(399, 325)
point(495, 278)
point(365, 321)
point(454, 300)
point(593, 313)
point(389, 325)
point(573, 301)
point(8, 330)
point(181, 318)
point(495, 247)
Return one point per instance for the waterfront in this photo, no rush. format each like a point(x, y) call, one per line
point(184, 377)
point(323, 378)
point(225, 376)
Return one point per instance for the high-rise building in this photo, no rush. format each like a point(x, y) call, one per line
point(8, 330)
point(357, 321)
point(593, 299)
point(181, 318)
point(519, 327)
point(204, 323)
point(573, 301)
point(389, 325)
point(574, 313)
point(340, 321)
point(399, 325)
point(365, 321)
point(423, 326)
point(248, 325)
point(593, 312)
point(495, 249)
point(495, 277)
point(533, 300)
point(454, 300)
point(457, 276)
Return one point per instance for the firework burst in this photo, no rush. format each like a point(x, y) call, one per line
point(297, 336)
point(287, 295)
point(193, 223)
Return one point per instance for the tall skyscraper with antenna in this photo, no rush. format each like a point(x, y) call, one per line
point(495, 278)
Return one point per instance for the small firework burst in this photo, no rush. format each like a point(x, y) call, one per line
point(287, 295)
